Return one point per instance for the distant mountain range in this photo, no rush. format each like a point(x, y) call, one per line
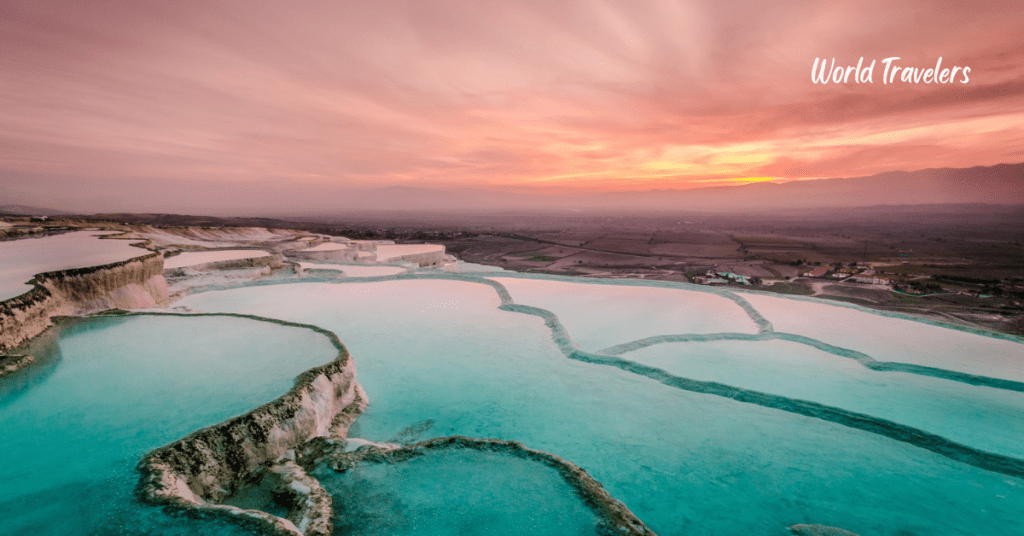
point(1002, 184)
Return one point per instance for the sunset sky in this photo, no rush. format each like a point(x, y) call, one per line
point(104, 105)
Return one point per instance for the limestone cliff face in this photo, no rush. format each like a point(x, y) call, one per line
point(201, 468)
point(26, 316)
point(430, 258)
point(197, 472)
point(335, 255)
point(133, 284)
point(136, 283)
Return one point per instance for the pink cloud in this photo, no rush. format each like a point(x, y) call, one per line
point(512, 95)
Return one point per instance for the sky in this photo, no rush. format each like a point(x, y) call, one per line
point(149, 105)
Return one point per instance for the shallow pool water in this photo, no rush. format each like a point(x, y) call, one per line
point(457, 493)
point(438, 357)
point(988, 419)
point(893, 339)
point(107, 390)
point(598, 316)
point(21, 260)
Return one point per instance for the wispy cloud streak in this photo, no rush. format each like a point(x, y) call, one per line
point(528, 95)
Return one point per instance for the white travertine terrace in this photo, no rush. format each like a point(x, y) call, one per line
point(894, 339)
point(394, 252)
point(195, 258)
point(212, 238)
point(372, 251)
point(21, 260)
point(598, 316)
point(354, 270)
point(702, 414)
point(327, 246)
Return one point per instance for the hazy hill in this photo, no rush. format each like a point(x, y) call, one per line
point(1001, 185)
point(22, 210)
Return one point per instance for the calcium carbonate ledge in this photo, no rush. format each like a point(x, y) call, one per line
point(136, 282)
point(273, 260)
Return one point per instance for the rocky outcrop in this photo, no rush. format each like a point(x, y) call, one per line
point(286, 485)
point(28, 315)
point(195, 473)
point(11, 363)
point(135, 283)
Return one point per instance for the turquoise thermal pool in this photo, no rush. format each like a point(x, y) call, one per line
point(447, 356)
point(455, 493)
point(704, 412)
point(104, 391)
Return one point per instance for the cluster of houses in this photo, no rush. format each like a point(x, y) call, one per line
point(712, 277)
point(858, 274)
